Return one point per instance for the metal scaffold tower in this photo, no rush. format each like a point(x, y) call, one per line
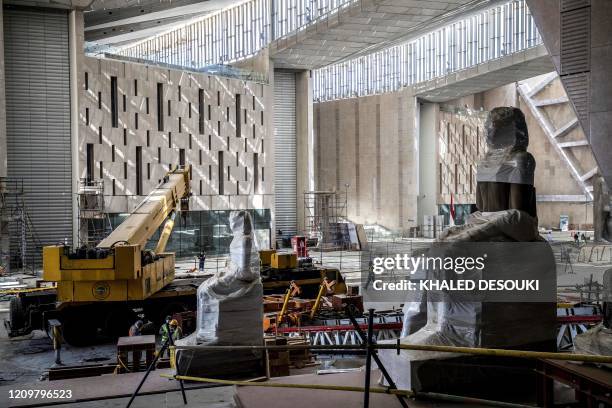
point(94, 222)
point(16, 230)
point(324, 219)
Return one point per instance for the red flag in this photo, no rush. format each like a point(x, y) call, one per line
point(452, 211)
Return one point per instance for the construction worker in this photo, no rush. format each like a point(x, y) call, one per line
point(371, 275)
point(202, 258)
point(136, 329)
point(175, 331)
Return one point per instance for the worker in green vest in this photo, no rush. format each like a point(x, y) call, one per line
point(175, 331)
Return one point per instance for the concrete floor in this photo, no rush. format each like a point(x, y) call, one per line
point(218, 397)
point(25, 359)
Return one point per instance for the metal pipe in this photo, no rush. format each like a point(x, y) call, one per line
point(169, 341)
point(315, 307)
point(369, 351)
point(376, 390)
point(281, 315)
point(165, 235)
point(426, 347)
point(374, 353)
point(288, 385)
point(467, 400)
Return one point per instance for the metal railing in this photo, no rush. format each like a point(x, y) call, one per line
point(239, 32)
point(481, 37)
point(294, 15)
point(234, 33)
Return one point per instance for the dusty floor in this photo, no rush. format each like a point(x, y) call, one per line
point(25, 359)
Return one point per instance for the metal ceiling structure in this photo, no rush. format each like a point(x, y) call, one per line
point(475, 39)
point(301, 34)
point(119, 22)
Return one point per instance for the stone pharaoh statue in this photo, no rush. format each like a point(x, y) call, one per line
point(505, 197)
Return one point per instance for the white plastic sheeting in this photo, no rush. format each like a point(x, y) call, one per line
point(230, 302)
point(507, 159)
point(445, 318)
point(597, 341)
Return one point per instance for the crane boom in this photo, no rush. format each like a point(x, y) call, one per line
point(144, 221)
point(120, 268)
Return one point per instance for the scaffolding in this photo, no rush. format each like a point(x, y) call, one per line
point(325, 219)
point(94, 222)
point(18, 241)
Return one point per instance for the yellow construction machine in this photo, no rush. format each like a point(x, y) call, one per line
point(120, 268)
point(99, 292)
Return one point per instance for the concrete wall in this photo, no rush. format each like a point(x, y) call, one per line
point(138, 83)
point(371, 145)
point(358, 142)
point(460, 144)
point(552, 177)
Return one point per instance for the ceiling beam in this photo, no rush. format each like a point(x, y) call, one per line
point(109, 12)
point(120, 29)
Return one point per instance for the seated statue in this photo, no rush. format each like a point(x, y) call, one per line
point(505, 175)
point(602, 220)
point(507, 217)
point(230, 310)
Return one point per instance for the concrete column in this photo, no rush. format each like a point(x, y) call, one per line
point(305, 140)
point(76, 38)
point(428, 173)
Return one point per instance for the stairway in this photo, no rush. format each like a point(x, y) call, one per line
point(546, 102)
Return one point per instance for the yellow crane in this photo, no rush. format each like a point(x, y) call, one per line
point(120, 268)
point(101, 290)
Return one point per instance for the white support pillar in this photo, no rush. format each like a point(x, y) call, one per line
point(428, 173)
point(305, 140)
point(75, 35)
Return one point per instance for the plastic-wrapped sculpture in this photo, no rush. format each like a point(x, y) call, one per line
point(598, 340)
point(230, 309)
point(505, 175)
point(507, 213)
point(602, 218)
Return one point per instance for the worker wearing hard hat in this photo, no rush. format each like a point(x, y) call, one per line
point(175, 331)
point(136, 328)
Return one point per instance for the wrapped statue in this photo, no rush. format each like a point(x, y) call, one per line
point(230, 309)
point(506, 218)
point(505, 175)
point(602, 220)
point(229, 303)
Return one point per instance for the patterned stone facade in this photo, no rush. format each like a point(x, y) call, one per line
point(461, 144)
point(368, 147)
point(133, 115)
